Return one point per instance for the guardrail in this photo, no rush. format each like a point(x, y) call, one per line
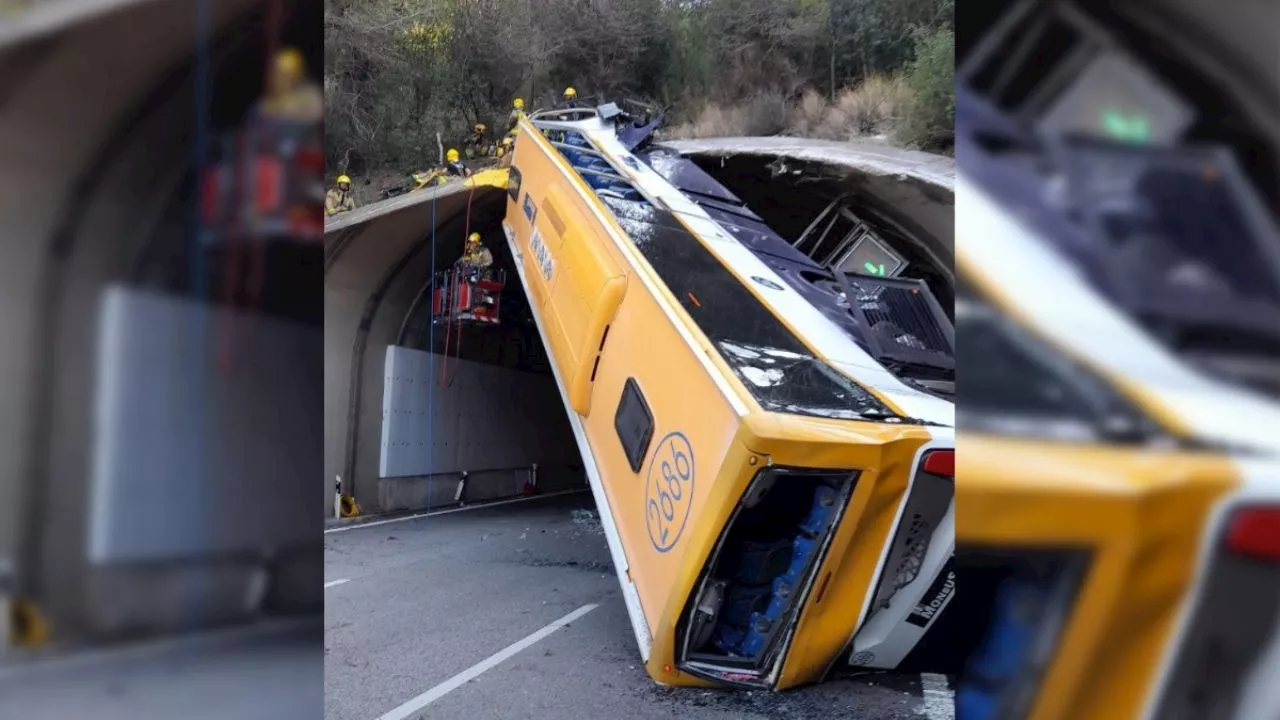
point(468, 486)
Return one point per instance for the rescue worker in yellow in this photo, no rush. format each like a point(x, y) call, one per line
point(478, 145)
point(439, 176)
point(453, 164)
point(517, 113)
point(290, 93)
point(339, 200)
point(569, 100)
point(504, 150)
point(476, 259)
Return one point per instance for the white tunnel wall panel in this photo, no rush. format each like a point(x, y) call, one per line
point(182, 441)
point(469, 417)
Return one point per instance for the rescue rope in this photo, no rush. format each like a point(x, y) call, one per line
point(431, 351)
point(257, 249)
point(232, 258)
point(458, 353)
point(450, 300)
point(242, 178)
point(453, 285)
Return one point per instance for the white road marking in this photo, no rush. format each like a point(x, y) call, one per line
point(475, 671)
point(334, 583)
point(939, 700)
point(479, 506)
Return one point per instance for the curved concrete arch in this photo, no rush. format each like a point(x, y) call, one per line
point(93, 161)
point(73, 98)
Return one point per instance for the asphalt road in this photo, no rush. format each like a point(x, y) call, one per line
point(269, 671)
point(412, 607)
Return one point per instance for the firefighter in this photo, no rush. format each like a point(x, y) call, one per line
point(517, 113)
point(569, 100)
point(453, 164)
point(504, 150)
point(290, 93)
point(476, 256)
point(475, 263)
point(478, 145)
point(339, 200)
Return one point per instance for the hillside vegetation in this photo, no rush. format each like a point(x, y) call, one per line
point(397, 72)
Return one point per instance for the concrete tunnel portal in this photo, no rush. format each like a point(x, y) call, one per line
point(403, 423)
point(100, 147)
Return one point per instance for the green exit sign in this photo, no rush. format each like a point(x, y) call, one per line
point(873, 269)
point(1129, 128)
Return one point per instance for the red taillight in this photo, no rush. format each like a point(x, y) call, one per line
point(940, 462)
point(1255, 532)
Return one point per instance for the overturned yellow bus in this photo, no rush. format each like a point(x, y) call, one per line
point(1119, 524)
point(1119, 531)
point(775, 499)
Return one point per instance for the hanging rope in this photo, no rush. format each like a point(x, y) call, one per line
point(248, 250)
point(431, 352)
point(257, 250)
point(466, 235)
point(232, 256)
point(450, 300)
point(457, 356)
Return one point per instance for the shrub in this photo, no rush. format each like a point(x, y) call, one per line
point(930, 123)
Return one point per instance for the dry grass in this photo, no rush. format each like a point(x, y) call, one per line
point(761, 115)
point(874, 108)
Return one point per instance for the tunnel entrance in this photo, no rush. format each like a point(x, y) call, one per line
point(483, 393)
point(135, 435)
point(439, 413)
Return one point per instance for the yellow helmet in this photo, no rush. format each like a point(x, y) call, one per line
point(480, 128)
point(570, 92)
point(518, 103)
point(473, 239)
point(343, 179)
point(452, 155)
point(508, 140)
point(289, 62)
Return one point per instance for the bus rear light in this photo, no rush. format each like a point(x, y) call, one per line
point(940, 462)
point(1255, 532)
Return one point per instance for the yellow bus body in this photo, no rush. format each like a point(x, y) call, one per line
point(1140, 513)
point(607, 318)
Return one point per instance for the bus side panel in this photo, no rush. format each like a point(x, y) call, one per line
point(656, 508)
point(693, 422)
point(539, 284)
point(587, 300)
point(584, 282)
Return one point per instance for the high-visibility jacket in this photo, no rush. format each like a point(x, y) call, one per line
point(338, 201)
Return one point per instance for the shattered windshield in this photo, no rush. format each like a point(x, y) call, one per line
point(790, 382)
